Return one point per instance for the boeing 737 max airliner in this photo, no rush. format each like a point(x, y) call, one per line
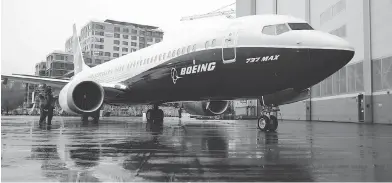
point(274, 58)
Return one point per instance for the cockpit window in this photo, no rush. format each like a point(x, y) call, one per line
point(275, 29)
point(269, 30)
point(281, 28)
point(300, 26)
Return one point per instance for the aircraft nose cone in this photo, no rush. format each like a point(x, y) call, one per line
point(325, 62)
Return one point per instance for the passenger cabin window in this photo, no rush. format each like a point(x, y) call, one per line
point(163, 56)
point(213, 42)
point(174, 53)
point(194, 47)
point(207, 44)
point(168, 54)
point(179, 52)
point(189, 49)
point(160, 57)
point(300, 26)
point(183, 50)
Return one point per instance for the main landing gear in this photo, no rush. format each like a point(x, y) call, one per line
point(95, 115)
point(268, 120)
point(155, 115)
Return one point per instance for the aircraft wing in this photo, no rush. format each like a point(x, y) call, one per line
point(53, 82)
point(58, 83)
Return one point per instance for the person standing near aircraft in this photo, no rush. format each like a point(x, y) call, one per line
point(45, 103)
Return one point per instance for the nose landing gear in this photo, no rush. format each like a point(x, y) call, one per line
point(268, 120)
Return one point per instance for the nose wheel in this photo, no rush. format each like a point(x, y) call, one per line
point(268, 121)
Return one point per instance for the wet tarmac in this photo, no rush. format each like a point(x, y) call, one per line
point(127, 149)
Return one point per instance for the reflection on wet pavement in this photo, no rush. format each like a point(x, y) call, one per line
point(126, 149)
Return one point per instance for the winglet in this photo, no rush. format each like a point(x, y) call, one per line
point(79, 64)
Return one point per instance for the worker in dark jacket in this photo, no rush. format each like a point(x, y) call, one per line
point(46, 105)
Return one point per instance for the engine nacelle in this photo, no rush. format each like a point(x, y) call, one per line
point(79, 97)
point(206, 108)
point(285, 97)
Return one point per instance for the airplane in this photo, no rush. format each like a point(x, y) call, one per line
point(274, 58)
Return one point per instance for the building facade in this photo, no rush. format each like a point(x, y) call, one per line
point(109, 39)
point(360, 91)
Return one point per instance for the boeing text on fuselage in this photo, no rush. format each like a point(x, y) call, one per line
point(198, 68)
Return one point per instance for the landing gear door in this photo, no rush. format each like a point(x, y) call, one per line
point(229, 50)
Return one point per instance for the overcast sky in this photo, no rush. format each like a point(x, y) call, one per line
point(31, 29)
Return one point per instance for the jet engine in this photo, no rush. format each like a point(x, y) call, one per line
point(206, 108)
point(81, 97)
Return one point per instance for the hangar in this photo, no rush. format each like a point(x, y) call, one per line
point(360, 91)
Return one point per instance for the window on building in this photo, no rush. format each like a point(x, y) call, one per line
point(133, 49)
point(157, 40)
point(124, 54)
point(134, 31)
point(98, 40)
point(148, 33)
point(133, 44)
point(59, 57)
point(116, 42)
point(88, 60)
point(99, 46)
point(116, 35)
point(141, 39)
point(116, 48)
point(116, 29)
point(126, 30)
point(149, 39)
point(342, 80)
point(107, 54)
point(141, 45)
point(125, 49)
point(341, 31)
point(99, 33)
point(98, 61)
point(125, 43)
point(141, 32)
point(125, 36)
point(98, 26)
point(116, 55)
point(133, 38)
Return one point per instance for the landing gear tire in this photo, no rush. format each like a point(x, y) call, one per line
point(84, 117)
point(273, 123)
point(96, 116)
point(263, 123)
point(155, 116)
point(149, 115)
